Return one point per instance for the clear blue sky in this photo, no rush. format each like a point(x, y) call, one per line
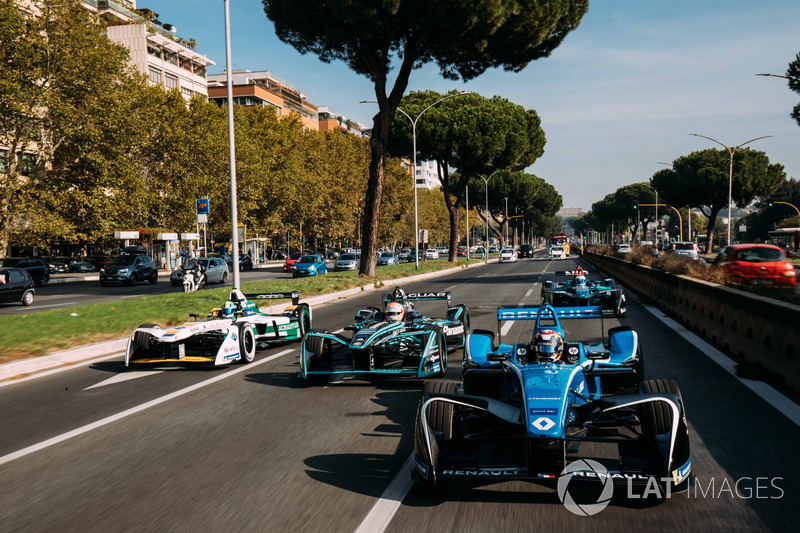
point(621, 93)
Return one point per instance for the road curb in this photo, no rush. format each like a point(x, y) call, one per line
point(26, 367)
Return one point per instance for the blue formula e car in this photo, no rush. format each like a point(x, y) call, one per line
point(394, 340)
point(580, 291)
point(535, 410)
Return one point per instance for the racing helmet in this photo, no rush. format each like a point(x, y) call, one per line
point(548, 346)
point(229, 309)
point(580, 281)
point(395, 312)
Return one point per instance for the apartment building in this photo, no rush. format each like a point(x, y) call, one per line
point(154, 47)
point(427, 175)
point(255, 88)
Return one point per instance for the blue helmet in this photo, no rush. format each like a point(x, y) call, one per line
point(229, 309)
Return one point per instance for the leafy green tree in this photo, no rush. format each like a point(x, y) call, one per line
point(472, 134)
point(463, 38)
point(61, 81)
point(793, 73)
point(700, 180)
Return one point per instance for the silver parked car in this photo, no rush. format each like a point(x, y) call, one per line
point(388, 259)
point(346, 262)
point(216, 270)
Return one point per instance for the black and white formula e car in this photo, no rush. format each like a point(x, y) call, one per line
point(229, 333)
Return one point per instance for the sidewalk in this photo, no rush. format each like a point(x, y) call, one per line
point(65, 358)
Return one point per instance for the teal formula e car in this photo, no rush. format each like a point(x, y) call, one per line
point(581, 291)
point(382, 342)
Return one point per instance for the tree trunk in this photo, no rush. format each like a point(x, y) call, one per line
point(372, 206)
point(712, 222)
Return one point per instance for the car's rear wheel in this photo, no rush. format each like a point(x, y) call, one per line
point(224, 277)
point(132, 281)
point(154, 278)
point(247, 343)
point(27, 298)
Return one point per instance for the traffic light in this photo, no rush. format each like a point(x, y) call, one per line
point(636, 205)
point(770, 203)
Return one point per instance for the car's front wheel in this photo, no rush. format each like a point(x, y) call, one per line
point(247, 343)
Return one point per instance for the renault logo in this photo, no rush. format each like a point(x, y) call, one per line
point(543, 423)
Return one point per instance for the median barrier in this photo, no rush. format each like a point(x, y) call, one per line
point(753, 328)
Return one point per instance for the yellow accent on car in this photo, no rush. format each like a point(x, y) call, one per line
point(188, 359)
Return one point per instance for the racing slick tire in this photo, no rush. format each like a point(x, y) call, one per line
point(150, 326)
point(440, 414)
point(657, 417)
point(303, 315)
point(443, 357)
point(316, 345)
point(247, 343)
point(657, 420)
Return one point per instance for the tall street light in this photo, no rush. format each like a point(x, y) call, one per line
point(414, 137)
point(486, 181)
point(731, 151)
point(688, 208)
point(232, 151)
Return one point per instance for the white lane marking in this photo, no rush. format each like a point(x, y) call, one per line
point(450, 287)
point(506, 327)
point(133, 410)
point(125, 376)
point(780, 402)
point(66, 366)
point(381, 514)
point(530, 291)
point(340, 330)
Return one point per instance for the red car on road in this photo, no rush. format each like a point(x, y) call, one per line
point(288, 266)
point(760, 265)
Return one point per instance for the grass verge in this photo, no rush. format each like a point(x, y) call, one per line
point(34, 334)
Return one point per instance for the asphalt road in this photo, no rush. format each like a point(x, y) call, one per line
point(250, 448)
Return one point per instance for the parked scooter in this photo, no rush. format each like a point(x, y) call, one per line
point(194, 280)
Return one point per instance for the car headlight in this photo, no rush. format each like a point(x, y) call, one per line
point(103, 270)
point(122, 270)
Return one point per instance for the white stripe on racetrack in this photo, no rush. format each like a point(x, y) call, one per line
point(382, 513)
point(132, 411)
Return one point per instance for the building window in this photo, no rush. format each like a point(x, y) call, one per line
point(170, 81)
point(171, 58)
point(421, 181)
point(186, 92)
point(154, 52)
point(155, 74)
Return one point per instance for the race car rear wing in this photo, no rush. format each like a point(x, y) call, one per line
point(420, 297)
point(532, 313)
point(295, 296)
point(548, 313)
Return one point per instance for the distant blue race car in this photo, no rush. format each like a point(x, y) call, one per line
point(523, 413)
point(415, 346)
point(580, 291)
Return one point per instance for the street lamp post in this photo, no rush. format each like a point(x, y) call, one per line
point(505, 220)
point(467, 229)
point(232, 151)
point(414, 173)
point(688, 208)
point(486, 181)
point(731, 151)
